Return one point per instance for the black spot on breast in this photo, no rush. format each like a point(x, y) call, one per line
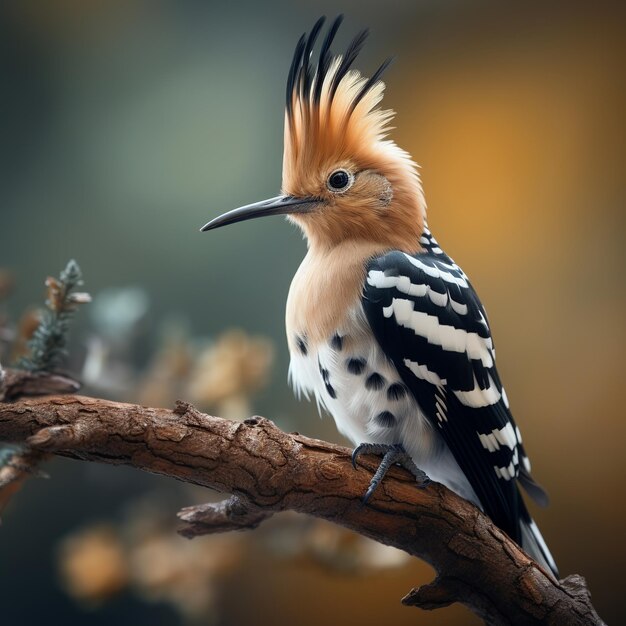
point(397, 391)
point(356, 366)
point(374, 381)
point(385, 419)
point(336, 343)
point(301, 343)
point(326, 380)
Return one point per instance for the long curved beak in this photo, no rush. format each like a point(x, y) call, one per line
point(280, 205)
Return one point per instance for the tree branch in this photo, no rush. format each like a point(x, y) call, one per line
point(18, 465)
point(267, 471)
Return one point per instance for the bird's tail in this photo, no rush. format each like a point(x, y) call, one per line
point(534, 544)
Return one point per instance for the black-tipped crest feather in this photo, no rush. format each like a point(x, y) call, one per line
point(348, 59)
point(306, 73)
point(293, 72)
point(325, 58)
point(371, 82)
point(306, 80)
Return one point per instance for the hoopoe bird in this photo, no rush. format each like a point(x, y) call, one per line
point(384, 328)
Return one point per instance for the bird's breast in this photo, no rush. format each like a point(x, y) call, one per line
point(350, 377)
point(326, 288)
point(336, 358)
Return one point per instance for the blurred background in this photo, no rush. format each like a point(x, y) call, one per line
point(126, 125)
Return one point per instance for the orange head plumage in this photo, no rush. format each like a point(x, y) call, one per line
point(343, 179)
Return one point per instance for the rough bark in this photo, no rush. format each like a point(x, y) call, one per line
point(266, 471)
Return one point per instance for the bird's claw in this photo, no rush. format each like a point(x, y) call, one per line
point(393, 454)
point(369, 448)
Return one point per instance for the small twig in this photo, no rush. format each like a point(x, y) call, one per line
point(218, 517)
point(20, 465)
point(435, 595)
point(22, 383)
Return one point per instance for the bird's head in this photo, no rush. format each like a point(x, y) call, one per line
point(343, 179)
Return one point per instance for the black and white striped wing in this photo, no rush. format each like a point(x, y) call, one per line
point(429, 321)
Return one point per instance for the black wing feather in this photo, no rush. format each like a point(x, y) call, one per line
point(397, 276)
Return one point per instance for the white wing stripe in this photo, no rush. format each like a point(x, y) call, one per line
point(377, 279)
point(505, 472)
point(403, 284)
point(506, 404)
point(421, 371)
point(458, 308)
point(448, 337)
point(477, 397)
point(489, 442)
point(504, 436)
point(436, 272)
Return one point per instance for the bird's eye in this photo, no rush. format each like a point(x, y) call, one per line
point(340, 180)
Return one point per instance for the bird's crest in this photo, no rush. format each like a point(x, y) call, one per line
point(332, 111)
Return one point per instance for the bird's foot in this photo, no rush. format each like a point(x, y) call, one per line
point(393, 454)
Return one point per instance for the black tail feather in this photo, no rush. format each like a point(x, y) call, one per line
point(533, 542)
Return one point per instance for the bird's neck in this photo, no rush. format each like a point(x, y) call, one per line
point(326, 289)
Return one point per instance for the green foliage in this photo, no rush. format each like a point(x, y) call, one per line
point(48, 345)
